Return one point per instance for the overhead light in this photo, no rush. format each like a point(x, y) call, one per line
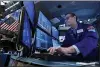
point(63, 16)
point(2, 3)
point(80, 21)
point(55, 20)
point(6, 1)
point(88, 19)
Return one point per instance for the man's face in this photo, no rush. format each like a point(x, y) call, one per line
point(70, 20)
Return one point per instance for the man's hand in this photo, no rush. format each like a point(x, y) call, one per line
point(66, 50)
point(52, 50)
point(62, 50)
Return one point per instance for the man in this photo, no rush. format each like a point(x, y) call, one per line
point(80, 40)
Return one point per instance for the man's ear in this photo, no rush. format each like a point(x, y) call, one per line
point(75, 17)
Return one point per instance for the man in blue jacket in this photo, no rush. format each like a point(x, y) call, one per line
point(80, 40)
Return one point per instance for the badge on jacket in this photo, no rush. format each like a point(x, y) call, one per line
point(80, 31)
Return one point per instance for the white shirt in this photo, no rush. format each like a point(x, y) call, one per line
point(76, 48)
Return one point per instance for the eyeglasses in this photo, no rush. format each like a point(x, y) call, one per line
point(66, 18)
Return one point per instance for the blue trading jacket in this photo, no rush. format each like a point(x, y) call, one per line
point(85, 38)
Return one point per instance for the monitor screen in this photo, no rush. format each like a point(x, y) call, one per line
point(29, 6)
point(55, 32)
point(43, 41)
point(26, 32)
point(55, 43)
point(44, 23)
point(16, 14)
point(12, 17)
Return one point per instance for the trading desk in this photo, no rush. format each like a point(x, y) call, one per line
point(44, 63)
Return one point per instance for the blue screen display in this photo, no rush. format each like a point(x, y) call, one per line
point(55, 43)
point(10, 18)
point(16, 15)
point(43, 41)
point(44, 23)
point(55, 32)
point(26, 32)
point(29, 6)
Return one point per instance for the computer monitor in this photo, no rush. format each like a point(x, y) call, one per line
point(43, 41)
point(55, 32)
point(16, 14)
point(26, 31)
point(55, 43)
point(12, 17)
point(9, 20)
point(44, 23)
point(29, 6)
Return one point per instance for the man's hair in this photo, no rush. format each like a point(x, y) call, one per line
point(72, 14)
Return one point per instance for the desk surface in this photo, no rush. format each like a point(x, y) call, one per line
point(49, 63)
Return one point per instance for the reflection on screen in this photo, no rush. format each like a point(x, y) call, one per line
point(29, 6)
point(55, 43)
point(55, 32)
point(43, 41)
point(10, 18)
point(16, 15)
point(44, 23)
point(26, 32)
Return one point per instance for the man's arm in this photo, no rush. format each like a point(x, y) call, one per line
point(89, 42)
point(85, 46)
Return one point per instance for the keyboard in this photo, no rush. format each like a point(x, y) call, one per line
point(42, 50)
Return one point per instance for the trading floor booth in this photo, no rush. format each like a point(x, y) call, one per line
point(35, 35)
point(8, 35)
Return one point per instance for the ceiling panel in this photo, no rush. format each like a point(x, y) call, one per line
point(83, 9)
